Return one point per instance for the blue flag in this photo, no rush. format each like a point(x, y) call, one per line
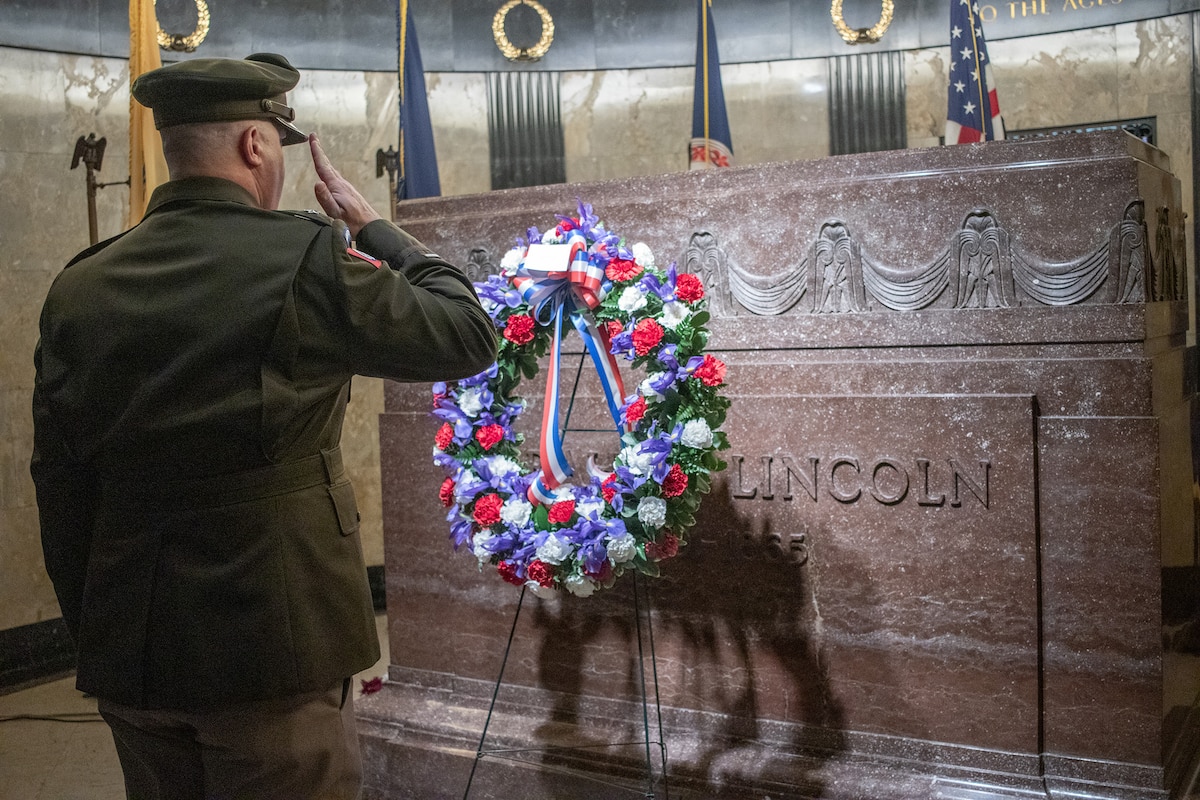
point(418, 159)
point(973, 109)
point(711, 144)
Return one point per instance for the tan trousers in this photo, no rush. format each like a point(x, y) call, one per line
point(298, 748)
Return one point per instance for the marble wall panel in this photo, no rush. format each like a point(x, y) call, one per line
point(458, 107)
point(47, 101)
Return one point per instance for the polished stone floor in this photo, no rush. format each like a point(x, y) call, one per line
point(71, 756)
point(67, 753)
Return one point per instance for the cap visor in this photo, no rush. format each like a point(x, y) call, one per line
point(291, 134)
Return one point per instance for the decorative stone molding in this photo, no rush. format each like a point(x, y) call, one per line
point(981, 267)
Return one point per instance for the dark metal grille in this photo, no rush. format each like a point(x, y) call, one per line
point(866, 103)
point(1144, 128)
point(525, 129)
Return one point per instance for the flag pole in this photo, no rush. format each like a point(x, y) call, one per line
point(403, 12)
point(704, 25)
point(985, 108)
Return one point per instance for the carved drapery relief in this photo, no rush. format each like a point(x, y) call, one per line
point(980, 267)
point(1127, 254)
point(836, 279)
point(704, 257)
point(480, 264)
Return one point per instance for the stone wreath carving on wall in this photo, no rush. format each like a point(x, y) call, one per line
point(981, 267)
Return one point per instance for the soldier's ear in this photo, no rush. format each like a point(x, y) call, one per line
point(250, 145)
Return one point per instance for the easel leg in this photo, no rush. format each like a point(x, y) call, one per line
point(662, 742)
point(495, 692)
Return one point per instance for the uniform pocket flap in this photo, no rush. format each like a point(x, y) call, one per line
point(346, 504)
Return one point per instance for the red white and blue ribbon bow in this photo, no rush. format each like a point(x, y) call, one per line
point(560, 281)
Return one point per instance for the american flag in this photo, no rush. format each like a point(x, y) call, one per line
point(973, 110)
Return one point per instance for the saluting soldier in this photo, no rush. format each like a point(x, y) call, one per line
point(192, 378)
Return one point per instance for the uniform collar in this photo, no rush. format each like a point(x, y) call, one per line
point(201, 188)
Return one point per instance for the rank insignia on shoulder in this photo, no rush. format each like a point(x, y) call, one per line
point(375, 262)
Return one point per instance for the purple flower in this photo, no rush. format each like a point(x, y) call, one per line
point(498, 290)
point(650, 283)
point(463, 429)
point(460, 528)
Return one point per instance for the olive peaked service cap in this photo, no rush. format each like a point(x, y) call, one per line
point(222, 90)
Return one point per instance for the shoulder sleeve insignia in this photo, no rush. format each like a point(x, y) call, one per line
point(369, 259)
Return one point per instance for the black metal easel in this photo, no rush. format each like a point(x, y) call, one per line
point(481, 753)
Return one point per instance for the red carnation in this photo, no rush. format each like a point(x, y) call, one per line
point(675, 483)
point(667, 548)
point(519, 329)
point(613, 328)
point(444, 437)
point(487, 509)
point(508, 571)
point(609, 487)
point(622, 269)
point(541, 572)
point(635, 410)
point(711, 372)
point(561, 512)
point(446, 493)
point(689, 288)
point(646, 335)
point(489, 435)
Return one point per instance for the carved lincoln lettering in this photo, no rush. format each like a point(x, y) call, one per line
point(902, 481)
point(888, 481)
point(834, 491)
point(740, 491)
point(925, 498)
point(980, 492)
point(806, 479)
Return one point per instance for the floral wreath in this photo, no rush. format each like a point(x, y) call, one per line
point(537, 530)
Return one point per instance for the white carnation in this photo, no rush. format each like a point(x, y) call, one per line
point(512, 260)
point(622, 549)
point(643, 255)
point(696, 433)
point(639, 462)
point(632, 299)
point(469, 401)
point(673, 313)
point(503, 466)
point(554, 550)
point(579, 585)
point(591, 507)
point(646, 387)
point(477, 547)
point(652, 512)
point(515, 511)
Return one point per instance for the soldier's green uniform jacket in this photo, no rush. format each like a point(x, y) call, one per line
point(192, 377)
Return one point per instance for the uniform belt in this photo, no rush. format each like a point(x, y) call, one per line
point(325, 468)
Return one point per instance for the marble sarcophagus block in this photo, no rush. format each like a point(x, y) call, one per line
point(961, 462)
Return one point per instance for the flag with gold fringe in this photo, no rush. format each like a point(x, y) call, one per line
point(711, 144)
point(147, 168)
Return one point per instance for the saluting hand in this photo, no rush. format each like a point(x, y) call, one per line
point(337, 196)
